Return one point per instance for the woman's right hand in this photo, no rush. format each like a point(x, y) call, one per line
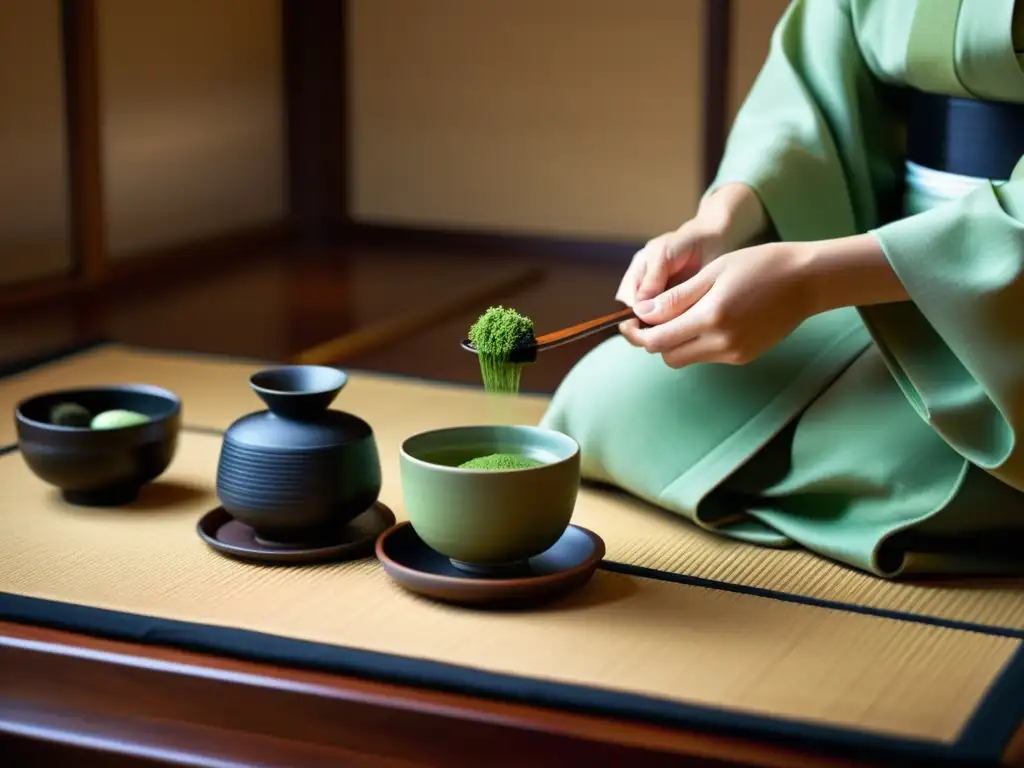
point(727, 219)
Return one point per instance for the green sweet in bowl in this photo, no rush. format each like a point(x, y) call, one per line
point(513, 501)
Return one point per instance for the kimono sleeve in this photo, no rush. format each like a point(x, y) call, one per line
point(812, 135)
point(957, 348)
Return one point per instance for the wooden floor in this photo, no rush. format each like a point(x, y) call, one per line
point(399, 310)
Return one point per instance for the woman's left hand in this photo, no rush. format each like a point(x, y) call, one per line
point(735, 308)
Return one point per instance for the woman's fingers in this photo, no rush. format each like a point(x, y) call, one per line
point(690, 346)
point(629, 329)
point(677, 317)
point(633, 332)
point(675, 301)
point(659, 339)
point(708, 348)
point(666, 257)
point(654, 265)
point(631, 280)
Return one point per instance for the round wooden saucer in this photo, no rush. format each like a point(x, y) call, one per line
point(566, 566)
point(355, 539)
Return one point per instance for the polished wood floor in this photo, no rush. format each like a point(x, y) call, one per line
point(564, 295)
point(408, 307)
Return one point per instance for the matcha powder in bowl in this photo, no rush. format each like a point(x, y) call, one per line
point(496, 335)
point(500, 461)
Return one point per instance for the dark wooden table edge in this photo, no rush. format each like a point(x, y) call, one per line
point(133, 699)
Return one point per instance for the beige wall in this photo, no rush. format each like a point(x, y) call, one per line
point(193, 121)
point(574, 117)
point(33, 199)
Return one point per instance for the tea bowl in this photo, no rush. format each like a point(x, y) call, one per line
point(100, 467)
point(489, 520)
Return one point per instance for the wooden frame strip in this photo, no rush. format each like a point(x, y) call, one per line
point(316, 85)
point(716, 60)
point(83, 139)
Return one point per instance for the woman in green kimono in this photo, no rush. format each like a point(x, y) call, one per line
point(834, 350)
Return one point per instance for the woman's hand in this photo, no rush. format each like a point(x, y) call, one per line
point(747, 301)
point(730, 312)
point(731, 216)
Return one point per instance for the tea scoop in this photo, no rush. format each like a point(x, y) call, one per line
point(526, 352)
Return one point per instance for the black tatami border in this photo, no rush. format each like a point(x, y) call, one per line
point(988, 732)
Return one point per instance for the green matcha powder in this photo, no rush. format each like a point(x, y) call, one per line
point(496, 335)
point(498, 461)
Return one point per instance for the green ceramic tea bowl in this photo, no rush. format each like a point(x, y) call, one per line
point(485, 519)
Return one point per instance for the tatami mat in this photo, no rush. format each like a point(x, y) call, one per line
point(680, 643)
point(215, 392)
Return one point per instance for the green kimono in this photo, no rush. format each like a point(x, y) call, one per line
point(883, 437)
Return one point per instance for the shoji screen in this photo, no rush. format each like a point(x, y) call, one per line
point(570, 117)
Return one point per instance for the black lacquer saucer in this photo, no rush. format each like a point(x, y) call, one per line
point(568, 565)
point(355, 539)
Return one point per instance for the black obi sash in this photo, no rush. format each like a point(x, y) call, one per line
point(968, 137)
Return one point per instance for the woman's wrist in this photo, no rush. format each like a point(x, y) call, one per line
point(849, 272)
point(736, 215)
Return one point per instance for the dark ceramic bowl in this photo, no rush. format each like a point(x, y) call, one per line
point(298, 472)
point(100, 467)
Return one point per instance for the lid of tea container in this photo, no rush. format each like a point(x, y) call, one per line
point(299, 417)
